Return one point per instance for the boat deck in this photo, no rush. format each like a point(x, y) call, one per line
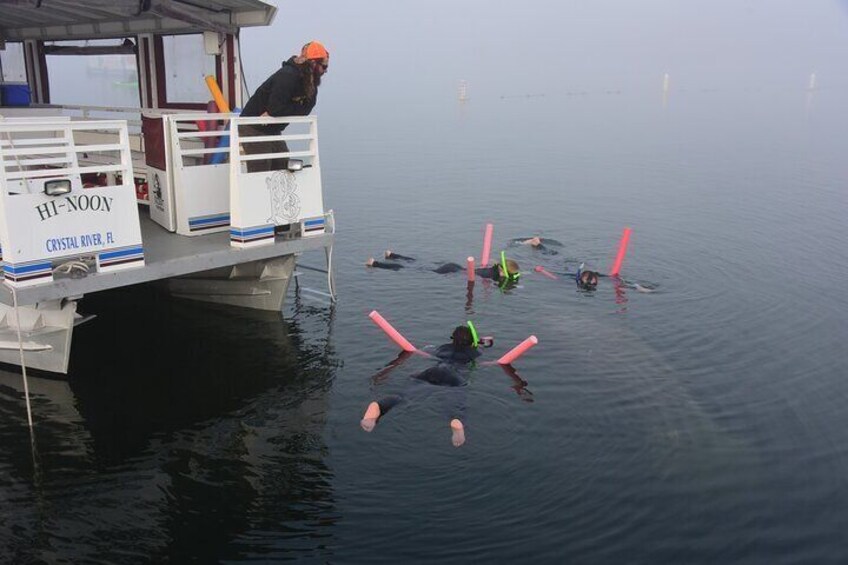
point(166, 255)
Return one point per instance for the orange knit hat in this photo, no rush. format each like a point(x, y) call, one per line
point(314, 50)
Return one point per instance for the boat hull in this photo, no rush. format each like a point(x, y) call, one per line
point(259, 285)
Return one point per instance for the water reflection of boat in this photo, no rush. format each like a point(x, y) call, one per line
point(195, 436)
point(207, 360)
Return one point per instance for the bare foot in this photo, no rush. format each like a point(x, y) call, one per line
point(369, 419)
point(458, 433)
point(369, 262)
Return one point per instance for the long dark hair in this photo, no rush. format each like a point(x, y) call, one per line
point(307, 76)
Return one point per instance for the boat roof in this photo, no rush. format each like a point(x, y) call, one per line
point(52, 20)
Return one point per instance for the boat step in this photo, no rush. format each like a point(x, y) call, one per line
point(27, 346)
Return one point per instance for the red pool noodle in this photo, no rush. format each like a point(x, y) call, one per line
point(470, 262)
point(541, 270)
point(487, 245)
point(622, 251)
point(518, 350)
point(393, 334)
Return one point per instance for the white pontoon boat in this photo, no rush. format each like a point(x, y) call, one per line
point(93, 198)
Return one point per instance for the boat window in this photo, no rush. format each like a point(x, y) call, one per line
point(186, 66)
point(12, 67)
point(83, 76)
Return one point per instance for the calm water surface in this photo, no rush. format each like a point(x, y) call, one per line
point(700, 423)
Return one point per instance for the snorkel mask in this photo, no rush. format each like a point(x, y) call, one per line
point(477, 341)
point(507, 276)
point(591, 282)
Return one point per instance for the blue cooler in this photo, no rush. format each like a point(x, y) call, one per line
point(14, 94)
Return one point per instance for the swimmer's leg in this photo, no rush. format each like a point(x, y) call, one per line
point(639, 288)
point(457, 432)
point(534, 241)
point(456, 413)
point(377, 410)
point(397, 256)
point(449, 268)
point(378, 265)
point(635, 286)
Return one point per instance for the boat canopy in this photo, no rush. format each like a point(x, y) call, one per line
point(51, 20)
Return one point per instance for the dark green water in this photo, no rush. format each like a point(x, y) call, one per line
point(701, 423)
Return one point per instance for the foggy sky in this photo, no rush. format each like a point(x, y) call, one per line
point(390, 50)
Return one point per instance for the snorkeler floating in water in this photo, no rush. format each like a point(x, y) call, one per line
point(588, 280)
point(505, 272)
point(462, 351)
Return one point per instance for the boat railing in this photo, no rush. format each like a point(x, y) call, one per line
point(133, 117)
point(191, 193)
point(57, 207)
point(285, 196)
point(205, 176)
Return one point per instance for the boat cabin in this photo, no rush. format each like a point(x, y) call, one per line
point(158, 187)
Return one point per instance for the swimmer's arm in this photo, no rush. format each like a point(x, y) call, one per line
point(632, 285)
point(519, 385)
point(641, 288)
point(637, 287)
point(384, 373)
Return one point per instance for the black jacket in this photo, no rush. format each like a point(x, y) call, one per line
point(282, 94)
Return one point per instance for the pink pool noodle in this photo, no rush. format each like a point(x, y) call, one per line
point(622, 251)
point(518, 350)
point(393, 334)
point(541, 270)
point(487, 245)
point(470, 262)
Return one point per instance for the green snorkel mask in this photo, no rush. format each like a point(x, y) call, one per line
point(475, 341)
point(508, 277)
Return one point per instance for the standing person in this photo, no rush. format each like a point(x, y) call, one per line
point(291, 91)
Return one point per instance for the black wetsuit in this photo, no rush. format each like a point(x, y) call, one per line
point(444, 374)
point(387, 266)
point(398, 256)
point(491, 273)
point(457, 354)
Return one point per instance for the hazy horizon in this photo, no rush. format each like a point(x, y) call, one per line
point(395, 50)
